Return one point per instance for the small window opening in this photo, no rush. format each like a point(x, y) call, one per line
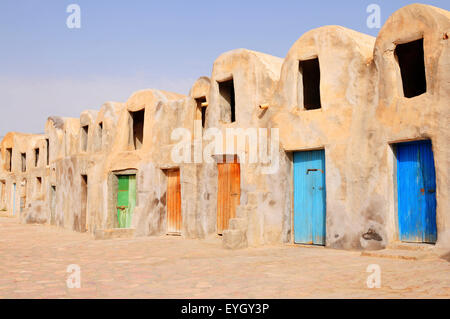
point(411, 60)
point(100, 135)
point(84, 137)
point(36, 157)
point(23, 157)
point(226, 90)
point(310, 71)
point(137, 119)
point(8, 159)
point(201, 110)
point(47, 142)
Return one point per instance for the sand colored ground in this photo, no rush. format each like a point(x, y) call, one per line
point(34, 259)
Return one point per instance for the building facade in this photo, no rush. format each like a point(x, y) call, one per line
point(345, 145)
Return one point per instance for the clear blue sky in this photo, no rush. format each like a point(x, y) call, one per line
point(127, 45)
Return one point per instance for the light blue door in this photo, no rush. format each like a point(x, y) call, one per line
point(309, 197)
point(416, 191)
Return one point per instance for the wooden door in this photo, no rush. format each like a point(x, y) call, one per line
point(84, 204)
point(416, 191)
point(174, 220)
point(309, 197)
point(126, 199)
point(229, 193)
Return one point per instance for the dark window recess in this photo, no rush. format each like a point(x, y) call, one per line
point(9, 159)
point(411, 60)
point(137, 119)
point(48, 150)
point(226, 90)
point(310, 71)
point(36, 157)
point(201, 110)
point(84, 137)
point(100, 134)
point(23, 157)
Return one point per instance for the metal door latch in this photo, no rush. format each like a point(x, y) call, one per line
point(313, 170)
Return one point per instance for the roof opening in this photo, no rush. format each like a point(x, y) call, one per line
point(36, 157)
point(8, 159)
point(310, 71)
point(137, 119)
point(23, 157)
point(411, 60)
point(84, 137)
point(226, 90)
point(47, 142)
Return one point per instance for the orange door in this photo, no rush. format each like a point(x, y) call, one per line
point(229, 193)
point(173, 202)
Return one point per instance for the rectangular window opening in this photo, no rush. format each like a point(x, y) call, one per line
point(47, 142)
point(226, 90)
point(23, 157)
point(84, 137)
point(201, 110)
point(8, 159)
point(310, 71)
point(137, 119)
point(411, 61)
point(36, 157)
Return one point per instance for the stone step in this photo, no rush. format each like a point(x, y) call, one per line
point(103, 234)
point(399, 254)
point(411, 246)
point(234, 239)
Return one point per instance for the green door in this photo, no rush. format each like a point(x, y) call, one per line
point(126, 199)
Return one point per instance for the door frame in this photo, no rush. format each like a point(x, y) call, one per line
point(292, 194)
point(395, 211)
point(113, 182)
point(226, 159)
point(166, 172)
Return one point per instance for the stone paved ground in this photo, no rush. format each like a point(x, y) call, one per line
point(34, 259)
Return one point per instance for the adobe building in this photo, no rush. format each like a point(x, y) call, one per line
point(350, 134)
point(24, 175)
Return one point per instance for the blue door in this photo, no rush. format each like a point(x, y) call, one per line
point(416, 191)
point(309, 197)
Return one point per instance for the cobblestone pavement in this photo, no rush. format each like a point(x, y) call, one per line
point(34, 261)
